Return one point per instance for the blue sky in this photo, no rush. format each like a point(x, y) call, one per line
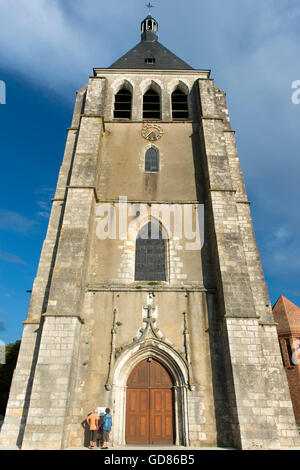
point(48, 50)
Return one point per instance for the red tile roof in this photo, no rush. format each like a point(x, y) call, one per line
point(287, 316)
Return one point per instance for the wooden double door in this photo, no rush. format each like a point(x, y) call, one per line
point(150, 405)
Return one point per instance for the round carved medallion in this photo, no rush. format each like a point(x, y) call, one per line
point(152, 132)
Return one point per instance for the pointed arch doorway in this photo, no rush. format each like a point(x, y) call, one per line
point(150, 405)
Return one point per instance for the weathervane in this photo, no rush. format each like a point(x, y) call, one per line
point(149, 6)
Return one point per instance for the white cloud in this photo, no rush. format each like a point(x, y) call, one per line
point(12, 221)
point(283, 233)
point(43, 214)
point(10, 257)
point(37, 40)
point(44, 205)
point(56, 43)
point(45, 191)
point(281, 253)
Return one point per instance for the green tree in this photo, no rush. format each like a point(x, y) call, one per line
point(6, 373)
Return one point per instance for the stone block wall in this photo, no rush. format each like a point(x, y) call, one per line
point(53, 385)
point(261, 393)
point(260, 407)
point(13, 428)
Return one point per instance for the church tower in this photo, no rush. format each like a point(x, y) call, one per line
point(150, 297)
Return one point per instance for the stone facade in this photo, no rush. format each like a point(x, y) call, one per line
point(210, 323)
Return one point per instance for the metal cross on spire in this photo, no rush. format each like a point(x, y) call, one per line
point(149, 6)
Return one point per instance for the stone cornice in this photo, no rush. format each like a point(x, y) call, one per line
point(139, 201)
point(45, 315)
point(147, 288)
point(86, 187)
point(223, 190)
point(214, 118)
point(100, 72)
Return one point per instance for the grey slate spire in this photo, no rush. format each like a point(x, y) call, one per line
point(149, 53)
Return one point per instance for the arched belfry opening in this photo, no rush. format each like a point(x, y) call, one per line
point(150, 404)
point(151, 104)
point(180, 108)
point(123, 103)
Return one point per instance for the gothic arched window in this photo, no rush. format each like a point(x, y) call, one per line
point(180, 109)
point(123, 104)
point(151, 105)
point(151, 160)
point(150, 254)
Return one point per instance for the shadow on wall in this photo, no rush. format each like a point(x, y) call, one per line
point(221, 370)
